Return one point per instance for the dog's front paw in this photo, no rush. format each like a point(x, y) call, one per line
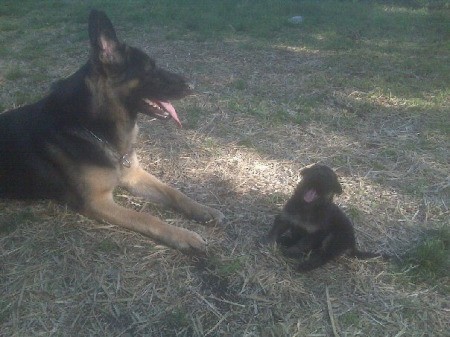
point(189, 242)
point(209, 216)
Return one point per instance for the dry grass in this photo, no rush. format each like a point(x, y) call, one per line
point(65, 275)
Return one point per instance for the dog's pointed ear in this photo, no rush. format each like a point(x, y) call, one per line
point(304, 171)
point(103, 37)
point(336, 186)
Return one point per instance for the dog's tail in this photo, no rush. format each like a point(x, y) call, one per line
point(367, 255)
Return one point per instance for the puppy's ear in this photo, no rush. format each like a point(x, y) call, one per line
point(304, 172)
point(337, 188)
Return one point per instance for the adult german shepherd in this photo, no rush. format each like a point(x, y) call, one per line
point(76, 145)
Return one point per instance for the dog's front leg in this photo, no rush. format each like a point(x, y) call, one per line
point(103, 208)
point(141, 183)
point(98, 203)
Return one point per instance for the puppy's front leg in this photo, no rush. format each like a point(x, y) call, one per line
point(281, 224)
point(141, 183)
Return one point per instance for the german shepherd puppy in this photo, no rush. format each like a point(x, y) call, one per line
point(76, 145)
point(311, 224)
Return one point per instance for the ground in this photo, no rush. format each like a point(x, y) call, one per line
point(246, 134)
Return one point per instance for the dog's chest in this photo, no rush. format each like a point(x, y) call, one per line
point(301, 222)
point(308, 225)
point(126, 151)
point(133, 134)
point(131, 138)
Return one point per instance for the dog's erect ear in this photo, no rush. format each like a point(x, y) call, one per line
point(337, 187)
point(307, 170)
point(103, 37)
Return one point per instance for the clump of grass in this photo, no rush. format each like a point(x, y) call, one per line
point(178, 317)
point(239, 84)
point(9, 222)
point(108, 246)
point(355, 213)
point(25, 97)
point(225, 268)
point(5, 310)
point(246, 142)
point(14, 74)
point(430, 260)
point(194, 115)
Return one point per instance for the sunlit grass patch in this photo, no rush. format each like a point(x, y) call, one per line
point(429, 261)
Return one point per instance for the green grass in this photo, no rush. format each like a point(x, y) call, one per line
point(355, 214)
point(225, 268)
point(429, 261)
point(178, 317)
point(194, 115)
point(15, 74)
point(9, 222)
point(108, 246)
point(388, 37)
point(24, 97)
point(239, 84)
point(5, 311)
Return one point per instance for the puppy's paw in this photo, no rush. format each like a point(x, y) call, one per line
point(305, 267)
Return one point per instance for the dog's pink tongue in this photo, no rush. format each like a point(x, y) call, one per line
point(171, 110)
point(310, 196)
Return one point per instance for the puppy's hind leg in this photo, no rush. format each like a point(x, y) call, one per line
point(326, 248)
point(314, 261)
point(281, 225)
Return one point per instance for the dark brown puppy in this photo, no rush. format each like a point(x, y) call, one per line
point(312, 224)
point(76, 144)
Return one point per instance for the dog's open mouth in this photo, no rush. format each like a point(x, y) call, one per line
point(162, 110)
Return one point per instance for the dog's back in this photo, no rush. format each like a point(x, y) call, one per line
point(36, 143)
point(26, 171)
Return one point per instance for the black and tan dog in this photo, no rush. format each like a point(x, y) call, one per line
point(311, 224)
point(76, 144)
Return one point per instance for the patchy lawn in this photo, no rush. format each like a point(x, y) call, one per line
point(361, 87)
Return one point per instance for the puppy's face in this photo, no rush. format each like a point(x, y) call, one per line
point(319, 184)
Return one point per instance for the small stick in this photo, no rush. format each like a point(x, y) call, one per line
point(330, 313)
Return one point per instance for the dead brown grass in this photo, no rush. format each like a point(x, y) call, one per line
point(65, 275)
